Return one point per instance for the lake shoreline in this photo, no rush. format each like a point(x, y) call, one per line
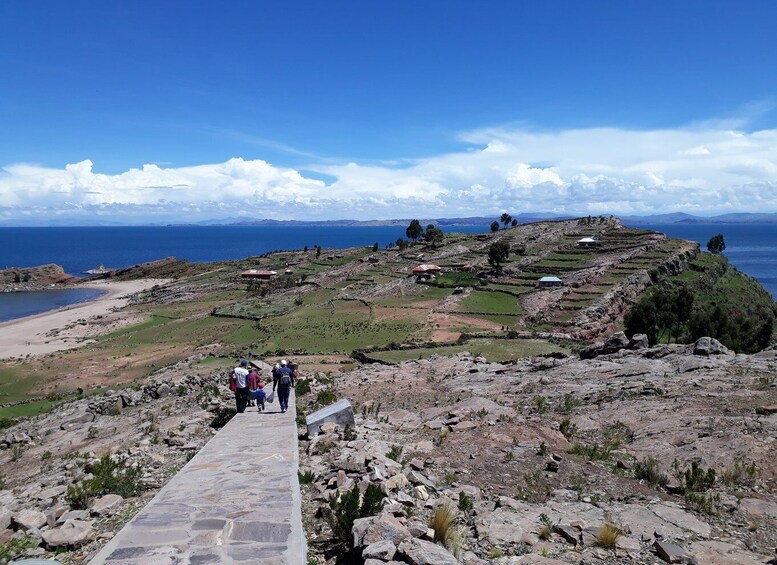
point(57, 330)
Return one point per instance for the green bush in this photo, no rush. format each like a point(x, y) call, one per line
point(694, 479)
point(395, 453)
point(647, 470)
point(302, 387)
point(108, 477)
point(326, 397)
point(305, 478)
point(465, 502)
point(345, 509)
point(223, 415)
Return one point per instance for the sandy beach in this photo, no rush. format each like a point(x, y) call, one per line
point(58, 329)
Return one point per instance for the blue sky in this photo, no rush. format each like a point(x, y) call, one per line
point(372, 109)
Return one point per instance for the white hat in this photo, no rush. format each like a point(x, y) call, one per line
point(284, 362)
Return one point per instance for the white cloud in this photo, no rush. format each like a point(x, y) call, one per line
point(707, 168)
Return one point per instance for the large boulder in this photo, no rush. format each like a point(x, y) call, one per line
point(367, 531)
point(73, 533)
point(28, 519)
point(615, 343)
point(639, 341)
point(709, 346)
point(341, 413)
point(421, 552)
point(106, 505)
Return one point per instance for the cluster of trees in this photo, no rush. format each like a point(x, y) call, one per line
point(506, 219)
point(669, 314)
point(432, 235)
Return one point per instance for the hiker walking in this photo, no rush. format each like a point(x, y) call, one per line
point(241, 385)
point(256, 389)
point(283, 380)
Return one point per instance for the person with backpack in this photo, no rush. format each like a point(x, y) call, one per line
point(283, 382)
point(240, 375)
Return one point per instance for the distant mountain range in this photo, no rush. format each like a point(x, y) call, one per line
point(673, 218)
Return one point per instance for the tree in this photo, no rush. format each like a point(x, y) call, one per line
point(401, 243)
point(716, 244)
point(414, 230)
point(498, 253)
point(306, 249)
point(514, 222)
point(374, 247)
point(494, 226)
point(506, 219)
point(318, 251)
point(434, 236)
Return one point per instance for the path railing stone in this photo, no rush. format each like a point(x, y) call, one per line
point(236, 501)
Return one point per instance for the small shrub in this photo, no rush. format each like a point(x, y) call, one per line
point(223, 415)
point(116, 477)
point(694, 479)
point(543, 449)
point(647, 470)
point(740, 474)
point(546, 528)
point(181, 389)
point(568, 404)
point(45, 456)
point(16, 451)
point(349, 434)
point(704, 503)
point(2, 482)
point(15, 547)
point(395, 453)
point(540, 404)
point(496, 553)
point(465, 502)
point(302, 387)
point(594, 451)
point(567, 429)
point(6, 423)
point(449, 478)
point(305, 478)
point(326, 397)
point(345, 509)
point(535, 488)
point(78, 496)
point(372, 501)
point(607, 535)
point(92, 432)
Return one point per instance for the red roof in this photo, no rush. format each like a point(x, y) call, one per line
point(426, 268)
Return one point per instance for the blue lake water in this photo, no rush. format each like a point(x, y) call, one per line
point(752, 248)
point(20, 304)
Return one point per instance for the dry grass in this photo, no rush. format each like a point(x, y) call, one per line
point(443, 523)
point(607, 535)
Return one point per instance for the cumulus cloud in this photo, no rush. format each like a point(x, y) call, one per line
point(701, 169)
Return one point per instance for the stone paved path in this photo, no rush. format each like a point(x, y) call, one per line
point(236, 501)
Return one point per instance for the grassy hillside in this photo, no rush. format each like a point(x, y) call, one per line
point(712, 298)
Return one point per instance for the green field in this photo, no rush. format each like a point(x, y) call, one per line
point(495, 302)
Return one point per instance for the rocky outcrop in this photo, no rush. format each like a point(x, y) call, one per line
point(33, 278)
point(480, 438)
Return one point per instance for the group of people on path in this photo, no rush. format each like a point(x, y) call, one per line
point(248, 385)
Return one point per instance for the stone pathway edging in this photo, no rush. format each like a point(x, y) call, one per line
point(236, 501)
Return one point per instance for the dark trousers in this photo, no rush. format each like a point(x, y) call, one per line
point(283, 397)
point(241, 399)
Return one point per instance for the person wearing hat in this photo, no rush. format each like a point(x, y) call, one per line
point(283, 382)
point(241, 382)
